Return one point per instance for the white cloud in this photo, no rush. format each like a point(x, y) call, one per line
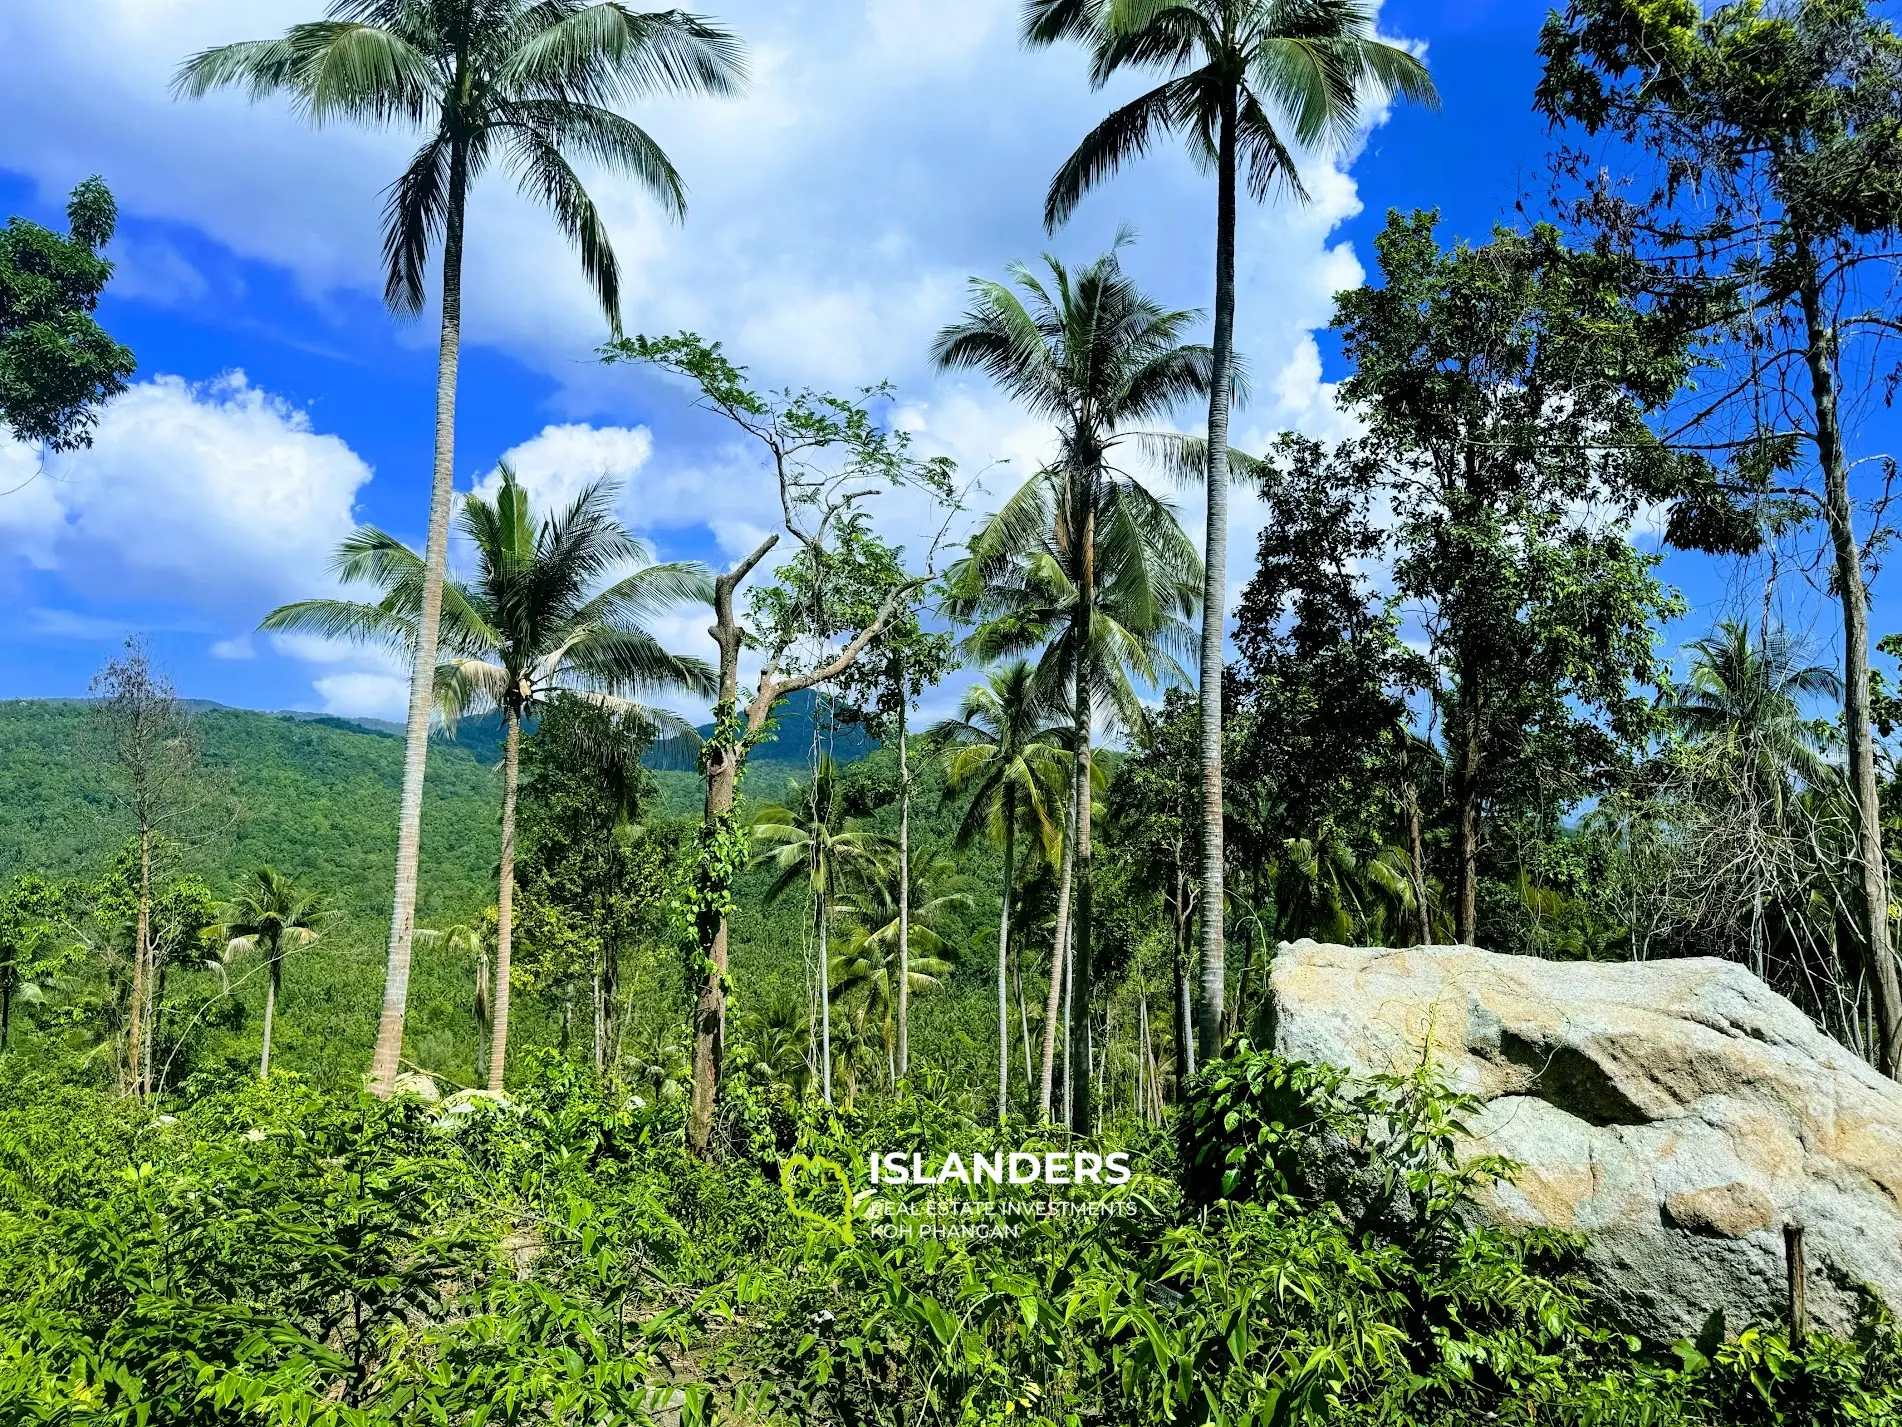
point(887, 150)
point(218, 497)
point(557, 464)
point(364, 695)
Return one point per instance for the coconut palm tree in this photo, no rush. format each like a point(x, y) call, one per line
point(271, 916)
point(1083, 565)
point(1744, 697)
point(535, 619)
point(1005, 753)
point(807, 839)
point(477, 939)
point(528, 84)
point(779, 1039)
point(1248, 82)
point(883, 908)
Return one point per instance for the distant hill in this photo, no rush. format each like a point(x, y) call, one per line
point(790, 742)
point(317, 797)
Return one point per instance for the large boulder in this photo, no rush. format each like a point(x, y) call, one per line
point(1677, 1113)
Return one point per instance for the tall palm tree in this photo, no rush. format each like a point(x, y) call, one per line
point(1004, 752)
point(1083, 564)
point(535, 619)
point(1744, 697)
point(525, 83)
point(807, 839)
point(271, 916)
point(1247, 81)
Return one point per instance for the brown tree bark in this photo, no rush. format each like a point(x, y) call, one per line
point(1852, 592)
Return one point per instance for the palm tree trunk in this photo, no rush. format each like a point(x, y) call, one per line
point(505, 901)
point(1059, 961)
point(904, 891)
point(1082, 972)
point(1820, 352)
point(270, 1014)
point(1214, 593)
point(825, 1000)
point(1185, 1025)
point(1023, 1011)
point(1003, 949)
point(141, 948)
point(422, 682)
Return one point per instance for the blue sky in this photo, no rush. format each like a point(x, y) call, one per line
point(887, 150)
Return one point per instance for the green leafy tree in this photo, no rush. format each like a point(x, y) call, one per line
point(1249, 81)
point(271, 917)
point(1006, 755)
point(1506, 391)
point(37, 943)
point(56, 364)
point(1751, 157)
point(1082, 564)
point(551, 607)
point(531, 85)
point(592, 870)
point(1747, 695)
point(1153, 805)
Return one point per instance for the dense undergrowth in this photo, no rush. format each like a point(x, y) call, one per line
point(272, 1253)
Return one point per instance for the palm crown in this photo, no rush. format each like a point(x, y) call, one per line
point(1006, 750)
point(535, 617)
point(526, 83)
point(1313, 64)
point(1745, 697)
point(1082, 563)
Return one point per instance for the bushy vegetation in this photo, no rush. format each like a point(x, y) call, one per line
point(266, 1252)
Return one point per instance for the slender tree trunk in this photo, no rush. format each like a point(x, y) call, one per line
point(709, 1016)
point(1820, 352)
point(1416, 865)
point(1468, 814)
point(600, 1023)
point(1082, 970)
point(270, 1014)
point(6, 1015)
point(1214, 593)
point(1003, 954)
point(1142, 1063)
point(141, 952)
point(482, 1010)
point(1023, 1014)
point(1059, 960)
point(825, 1000)
point(505, 903)
point(1251, 937)
point(1184, 1022)
point(422, 683)
point(904, 888)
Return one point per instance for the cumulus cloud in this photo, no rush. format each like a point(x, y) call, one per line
point(560, 462)
point(886, 151)
point(218, 496)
